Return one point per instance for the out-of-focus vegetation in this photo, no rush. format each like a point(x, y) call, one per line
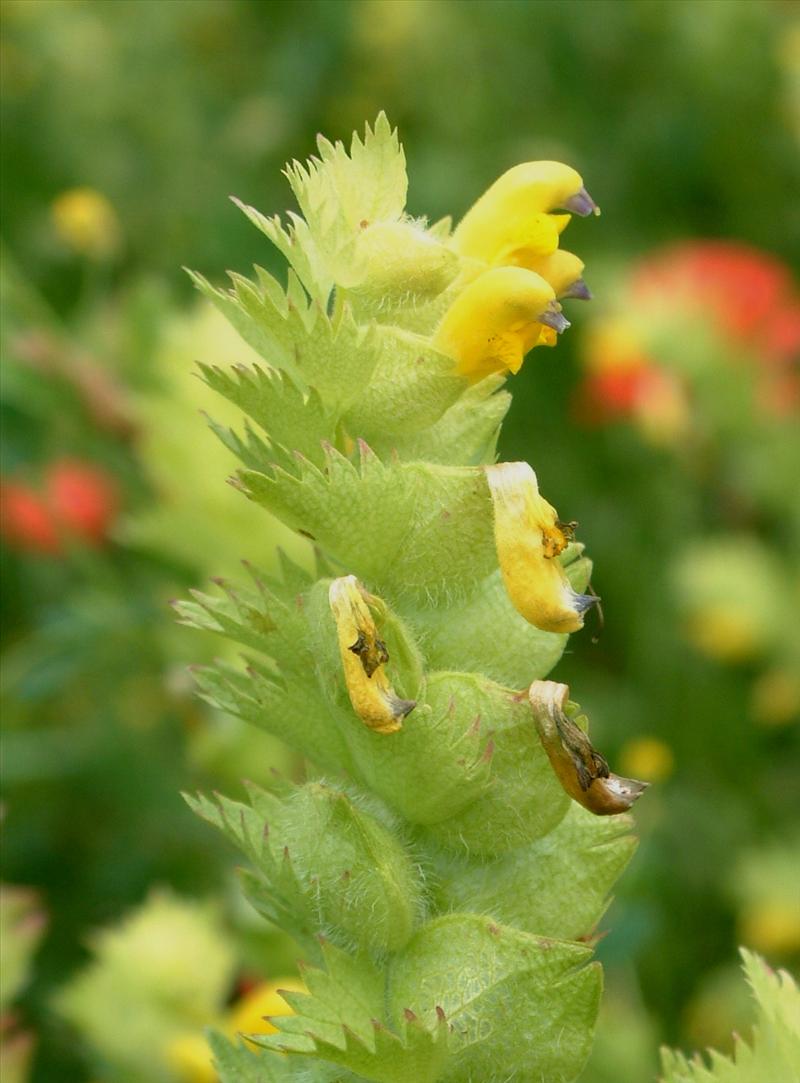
point(673, 435)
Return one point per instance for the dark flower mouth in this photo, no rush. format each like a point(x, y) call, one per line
point(578, 291)
point(581, 204)
point(554, 319)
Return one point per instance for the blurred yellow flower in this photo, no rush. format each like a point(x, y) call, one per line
point(787, 54)
point(647, 758)
point(87, 223)
point(662, 411)
point(772, 926)
point(775, 699)
point(723, 632)
point(732, 593)
point(613, 342)
point(529, 538)
point(497, 319)
point(765, 883)
point(189, 1055)
point(247, 1014)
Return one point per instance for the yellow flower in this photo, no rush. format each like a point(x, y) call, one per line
point(497, 319)
point(364, 657)
point(87, 222)
point(529, 538)
point(513, 216)
point(189, 1055)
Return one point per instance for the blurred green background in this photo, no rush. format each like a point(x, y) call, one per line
point(684, 120)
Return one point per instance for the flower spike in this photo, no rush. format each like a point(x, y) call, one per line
point(581, 770)
point(412, 872)
point(529, 537)
point(364, 657)
point(496, 320)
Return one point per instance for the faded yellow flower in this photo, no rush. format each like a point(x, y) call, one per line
point(581, 770)
point(529, 538)
point(364, 657)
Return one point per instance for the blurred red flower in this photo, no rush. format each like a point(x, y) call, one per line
point(84, 499)
point(748, 299)
point(26, 522)
point(77, 501)
point(748, 293)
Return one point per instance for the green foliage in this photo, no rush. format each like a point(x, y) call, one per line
point(773, 1053)
point(436, 876)
point(324, 865)
point(579, 859)
point(21, 926)
point(517, 1003)
point(238, 1063)
point(340, 1021)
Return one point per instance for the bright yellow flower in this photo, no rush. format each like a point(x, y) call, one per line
point(497, 319)
point(87, 222)
point(364, 657)
point(529, 539)
point(512, 219)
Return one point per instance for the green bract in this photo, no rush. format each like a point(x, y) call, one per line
point(436, 876)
